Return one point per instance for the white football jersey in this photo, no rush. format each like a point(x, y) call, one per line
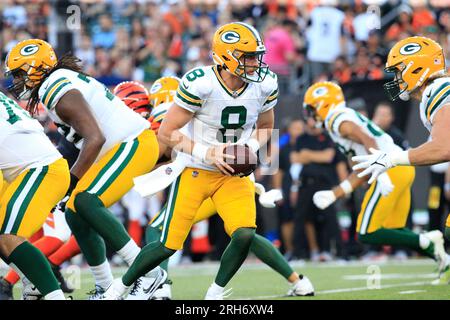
point(340, 114)
point(221, 115)
point(117, 122)
point(158, 113)
point(23, 143)
point(435, 96)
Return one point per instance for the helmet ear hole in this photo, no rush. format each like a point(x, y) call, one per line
point(417, 70)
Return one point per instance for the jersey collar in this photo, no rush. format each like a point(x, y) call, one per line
point(232, 93)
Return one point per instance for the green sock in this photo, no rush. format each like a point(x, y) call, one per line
point(91, 244)
point(148, 258)
point(267, 253)
point(397, 237)
point(153, 235)
point(34, 265)
point(92, 210)
point(447, 233)
point(234, 255)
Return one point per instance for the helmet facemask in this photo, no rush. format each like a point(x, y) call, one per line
point(242, 70)
point(397, 87)
point(24, 81)
point(309, 112)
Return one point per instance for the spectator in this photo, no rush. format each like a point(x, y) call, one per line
point(342, 72)
point(104, 35)
point(403, 25)
point(384, 117)
point(324, 37)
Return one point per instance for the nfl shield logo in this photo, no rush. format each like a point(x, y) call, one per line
point(168, 171)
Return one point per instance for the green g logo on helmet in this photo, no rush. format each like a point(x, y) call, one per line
point(28, 50)
point(410, 48)
point(230, 37)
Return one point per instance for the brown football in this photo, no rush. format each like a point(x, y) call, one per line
point(245, 160)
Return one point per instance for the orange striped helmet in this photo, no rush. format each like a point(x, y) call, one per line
point(135, 96)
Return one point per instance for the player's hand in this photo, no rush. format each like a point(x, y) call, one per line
point(385, 184)
point(268, 199)
point(323, 199)
point(73, 183)
point(374, 164)
point(217, 157)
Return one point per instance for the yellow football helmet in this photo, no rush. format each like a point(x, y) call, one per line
point(163, 90)
point(320, 98)
point(28, 61)
point(413, 61)
point(236, 43)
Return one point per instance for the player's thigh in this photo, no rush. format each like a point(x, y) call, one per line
point(112, 176)
point(374, 210)
point(235, 203)
point(185, 197)
point(30, 197)
point(158, 220)
point(206, 210)
point(1, 182)
point(402, 178)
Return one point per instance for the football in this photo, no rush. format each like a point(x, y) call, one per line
point(245, 160)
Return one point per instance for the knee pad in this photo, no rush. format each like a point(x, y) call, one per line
point(84, 202)
point(244, 235)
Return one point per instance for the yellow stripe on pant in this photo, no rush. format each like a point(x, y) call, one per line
point(447, 223)
point(233, 197)
point(391, 212)
point(28, 199)
point(111, 177)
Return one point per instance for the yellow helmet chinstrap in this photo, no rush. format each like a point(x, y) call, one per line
point(29, 60)
point(322, 97)
point(163, 90)
point(232, 44)
point(413, 60)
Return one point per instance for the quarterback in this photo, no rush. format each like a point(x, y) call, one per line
point(418, 64)
point(37, 179)
point(162, 94)
point(386, 204)
point(214, 105)
point(115, 143)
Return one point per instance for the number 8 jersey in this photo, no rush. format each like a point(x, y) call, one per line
point(117, 122)
point(23, 143)
point(220, 114)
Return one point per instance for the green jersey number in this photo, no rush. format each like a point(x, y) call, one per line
point(372, 127)
point(14, 111)
point(194, 74)
point(232, 120)
point(108, 93)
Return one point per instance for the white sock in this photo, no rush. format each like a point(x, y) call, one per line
point(424, 241)
point(129, 252)
point(216, 288)
point(102, 274)
point(55, 295)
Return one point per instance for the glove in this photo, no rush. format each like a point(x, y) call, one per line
point(323, 199)
point(62, 204)
point(385, 184)
point(268, 199)
point(374, 164)
point(259, 188)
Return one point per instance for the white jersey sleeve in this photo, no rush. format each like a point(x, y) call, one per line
point(336, 118)
point(54, 87)
point(435, 96)
point(270, 91)
point(194, 88)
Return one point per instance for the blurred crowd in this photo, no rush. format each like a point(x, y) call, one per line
point(344, 41)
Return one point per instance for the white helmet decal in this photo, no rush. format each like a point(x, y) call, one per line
point(29, 50)
point(230, 37)
point(410, 48)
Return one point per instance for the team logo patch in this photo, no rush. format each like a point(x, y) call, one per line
point(29, 50)
point(319, 92)
point(195, 173)
point(230, 37)
point(155, 88)
point(168, 171)
point(410, 48)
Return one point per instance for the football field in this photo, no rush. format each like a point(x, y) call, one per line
point(390, 280)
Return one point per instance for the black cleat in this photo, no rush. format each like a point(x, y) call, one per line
point(5, 290)
point(62, 282)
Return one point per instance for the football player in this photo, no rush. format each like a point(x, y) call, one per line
point(162, 94)
point(214, 105)
point(115, 145)
point(418, 64)
point(386, 204)
point(38, 178)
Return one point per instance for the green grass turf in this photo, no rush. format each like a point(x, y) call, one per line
point(344, 281)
